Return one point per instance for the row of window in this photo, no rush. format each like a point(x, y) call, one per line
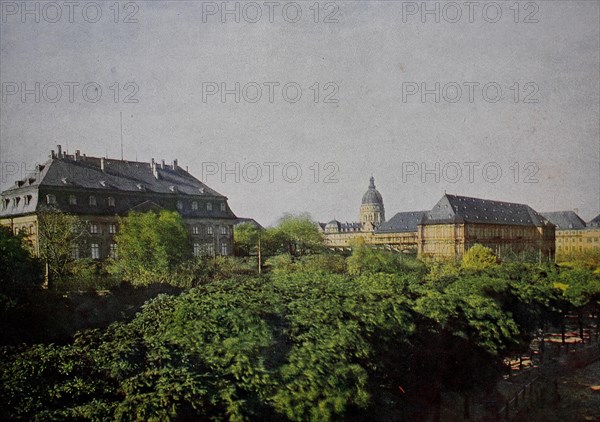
point(16, 201)
point(110, 201)
point(196, 230)
point(572, 240)
point(199, 249)
point(95, 251)
point(209, 249)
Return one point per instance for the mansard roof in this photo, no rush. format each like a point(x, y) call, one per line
point(595, 222)
point(402, 222)
point(565, 220)
point(131, 183)
point(463, 209)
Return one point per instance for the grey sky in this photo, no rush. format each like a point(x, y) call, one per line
point(368, 55)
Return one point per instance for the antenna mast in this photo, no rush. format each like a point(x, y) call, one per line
point(121, 114)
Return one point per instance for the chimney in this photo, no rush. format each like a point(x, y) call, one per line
point(175, 164)
point(52, 154)
point(102, 163)
point(59, 149)
point(154, 169)
point(77, 155)
point(162, 164)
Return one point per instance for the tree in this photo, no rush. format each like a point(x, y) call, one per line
point(479, 257)
point(59, 233)
point(19, 270)
point(299, 234)
point(246, 236)
point(152, 246)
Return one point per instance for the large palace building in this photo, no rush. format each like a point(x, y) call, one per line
point(100, 190)
point(449, 229)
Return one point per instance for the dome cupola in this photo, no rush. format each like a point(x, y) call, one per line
point(372, 195)
point(372, 212)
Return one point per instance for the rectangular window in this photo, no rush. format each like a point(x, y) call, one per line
point(112, 228)
point(72, 200)
point(197, 249)
point(195, 205)
point(195, 230)
point(51, 199)
point(223, 230)
point(224, 250)
point(209, 230)
point(209, 206)
point(93, 228)
point(210, 249)
point(92, 201)
point(113, 251)
point(75, 252)
point(95, 251)
point(111, 201)
point(223, 208)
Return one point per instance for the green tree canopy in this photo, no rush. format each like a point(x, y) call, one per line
point(59, 233)
point(19, 271)
point(296, 235)
point(479, 257)
point(245, 236)
point(151, 247)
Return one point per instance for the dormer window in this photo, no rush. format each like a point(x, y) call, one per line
point(72, 200)
point(28, 199)
point(50, 199)
point(111, 201)
point(103, 183)
point(201, 190)
point(5, 203)
point(173, 188)
point(16, 202)
point(140, 186)
point(92, 201)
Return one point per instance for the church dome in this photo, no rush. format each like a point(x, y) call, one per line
point(372, 195)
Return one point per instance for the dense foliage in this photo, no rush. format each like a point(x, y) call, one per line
point(59, 233)
point(318, 337)
point(19, 271)
point(152, 247)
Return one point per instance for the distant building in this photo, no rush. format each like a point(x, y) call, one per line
point(99, 190)
point(448, 230)
point(456, 223)
point(572, 233)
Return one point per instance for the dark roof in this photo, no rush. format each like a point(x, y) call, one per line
point(342, 227)
point(463, 209)
point(131, 183)
point(372, 195)
point(402, 222)
point(242, 220)
point(126, 176)
point(565, 220)
point(595, 222)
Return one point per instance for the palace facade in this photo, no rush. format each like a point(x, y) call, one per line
point(100, 190)
point(572, 233)
point(447, 230)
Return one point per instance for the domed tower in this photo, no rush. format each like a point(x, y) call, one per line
point(372, 213)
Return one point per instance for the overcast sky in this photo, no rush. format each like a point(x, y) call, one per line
point(361, 68)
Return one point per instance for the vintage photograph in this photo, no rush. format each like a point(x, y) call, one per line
point(310, 210)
